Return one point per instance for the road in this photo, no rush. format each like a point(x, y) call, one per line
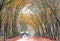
point(29, 38)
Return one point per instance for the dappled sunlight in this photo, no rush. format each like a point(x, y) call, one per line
point(26, 11)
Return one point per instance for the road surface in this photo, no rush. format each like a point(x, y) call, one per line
point(29, 38)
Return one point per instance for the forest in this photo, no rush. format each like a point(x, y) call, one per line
point(38, 17)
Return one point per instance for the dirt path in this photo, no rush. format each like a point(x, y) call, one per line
point(28, 39)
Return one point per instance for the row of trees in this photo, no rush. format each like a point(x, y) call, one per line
point(47, 11)
point(42, 15)
point(8, 15)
